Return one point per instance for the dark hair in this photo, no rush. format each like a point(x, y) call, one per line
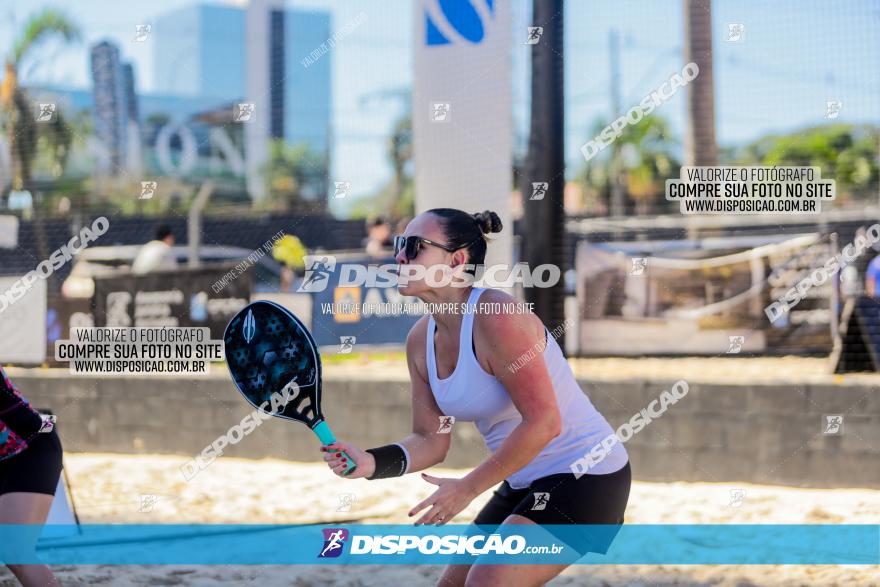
point(163, 231)
point(461, 228)
point(377, 221)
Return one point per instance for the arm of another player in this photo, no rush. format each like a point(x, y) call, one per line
point(15, 412)
point(871, 278)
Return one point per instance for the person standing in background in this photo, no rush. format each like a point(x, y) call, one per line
point(871, 276)
point(378, 241)
point(156, 255)
point(872, 269)
point(30, 466)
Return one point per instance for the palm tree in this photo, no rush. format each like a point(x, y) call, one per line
point(646, 160)
point(400, 153)
point(700, 146)
point(291, 172)
point(396, 199)
point(18, 113)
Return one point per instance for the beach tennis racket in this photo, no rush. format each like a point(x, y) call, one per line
point(268, 352)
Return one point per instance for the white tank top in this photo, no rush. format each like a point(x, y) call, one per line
point(470, 394)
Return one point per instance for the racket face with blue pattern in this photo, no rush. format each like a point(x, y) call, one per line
point(268, 350)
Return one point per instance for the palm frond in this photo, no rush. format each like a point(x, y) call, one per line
point(41, 26)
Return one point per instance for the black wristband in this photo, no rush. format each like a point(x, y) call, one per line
point(390, 461)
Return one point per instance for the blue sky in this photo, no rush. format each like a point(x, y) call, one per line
point(795, 56)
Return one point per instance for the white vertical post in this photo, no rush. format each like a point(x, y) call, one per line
point(464, 160)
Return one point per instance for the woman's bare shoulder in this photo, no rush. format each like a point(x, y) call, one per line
point(503, 328)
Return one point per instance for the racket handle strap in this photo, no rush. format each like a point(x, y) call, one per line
point(324, 434)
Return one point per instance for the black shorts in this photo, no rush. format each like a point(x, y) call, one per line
point(588, 500)
point(34, 470)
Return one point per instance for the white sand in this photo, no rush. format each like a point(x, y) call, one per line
point(108, 488)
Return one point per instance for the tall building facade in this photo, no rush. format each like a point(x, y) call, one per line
point(199, 50)
point(116, 109)
point(252, 54)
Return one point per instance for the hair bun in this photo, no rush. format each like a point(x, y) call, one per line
point(488, 221)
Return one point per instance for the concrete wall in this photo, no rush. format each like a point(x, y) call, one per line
point(748, 433)
point(754, 433)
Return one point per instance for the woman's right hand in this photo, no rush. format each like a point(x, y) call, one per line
point(364, 461)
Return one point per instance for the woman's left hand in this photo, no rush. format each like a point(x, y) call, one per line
point(451, 497)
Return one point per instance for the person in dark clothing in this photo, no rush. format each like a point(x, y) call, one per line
point(30, 466)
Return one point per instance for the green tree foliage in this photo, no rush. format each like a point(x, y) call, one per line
point(846, 153)
point(645, 162)
point(17, 111)
point(397, 198)
point(291, 172)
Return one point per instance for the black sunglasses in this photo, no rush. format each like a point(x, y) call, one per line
point(413, 244)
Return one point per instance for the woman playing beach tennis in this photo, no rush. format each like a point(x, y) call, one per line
point(483, 367)
point(30, 465)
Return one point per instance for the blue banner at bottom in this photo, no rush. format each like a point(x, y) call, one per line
point(812, 544)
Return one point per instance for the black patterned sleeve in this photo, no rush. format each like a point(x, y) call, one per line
point(15, 412)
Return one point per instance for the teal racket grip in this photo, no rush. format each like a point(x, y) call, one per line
point(322, 430)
